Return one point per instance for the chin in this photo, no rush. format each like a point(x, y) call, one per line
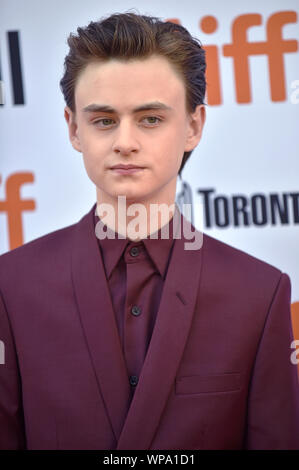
point(134, 196)
point(130, 192)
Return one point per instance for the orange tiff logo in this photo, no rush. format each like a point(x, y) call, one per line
point(13, 206)
point(240, 49)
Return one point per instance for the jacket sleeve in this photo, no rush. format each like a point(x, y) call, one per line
point(12, 432)
point(273, 401)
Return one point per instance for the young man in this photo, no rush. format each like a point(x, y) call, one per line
point(133, 341)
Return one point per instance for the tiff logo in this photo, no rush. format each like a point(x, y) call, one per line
point(240, 49)
point(14, 57)
point(14, 205)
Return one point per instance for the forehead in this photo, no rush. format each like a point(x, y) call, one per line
point(129, 82)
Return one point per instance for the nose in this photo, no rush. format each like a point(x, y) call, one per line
point(125, 141)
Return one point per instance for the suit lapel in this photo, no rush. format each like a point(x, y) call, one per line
point(167, 344)
point(98, 322)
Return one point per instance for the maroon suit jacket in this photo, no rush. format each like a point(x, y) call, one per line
point(217, 374)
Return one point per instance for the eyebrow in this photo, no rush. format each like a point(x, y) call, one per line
point(96, 108)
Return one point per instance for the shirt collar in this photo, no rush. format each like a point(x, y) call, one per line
point(158, 249)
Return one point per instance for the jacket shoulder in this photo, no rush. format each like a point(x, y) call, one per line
point(38, 254)
point(237, 265)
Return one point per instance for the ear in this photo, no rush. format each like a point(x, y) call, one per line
point(195, 127)
point(73, 128)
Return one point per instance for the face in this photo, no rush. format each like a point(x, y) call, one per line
point(133, 113)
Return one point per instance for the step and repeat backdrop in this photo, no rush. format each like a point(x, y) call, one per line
point(244, 174)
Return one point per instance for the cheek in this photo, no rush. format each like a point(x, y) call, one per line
point(175, 147)
point(89, 141)
point(171, 137)
point(93, 159)
point(176, 137)
point(94, 150)
point(90, 167)
point(88, 137)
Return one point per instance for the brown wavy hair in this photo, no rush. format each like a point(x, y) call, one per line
point(129, 35)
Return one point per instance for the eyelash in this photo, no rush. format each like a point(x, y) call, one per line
point(109, 119)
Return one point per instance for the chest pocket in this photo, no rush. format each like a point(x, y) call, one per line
point(207, 383)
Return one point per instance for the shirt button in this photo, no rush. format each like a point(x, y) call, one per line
point(134, 251)
point(133, 380)
point(135, 310)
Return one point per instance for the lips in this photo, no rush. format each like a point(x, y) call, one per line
point(125, 167)
point(126, 170)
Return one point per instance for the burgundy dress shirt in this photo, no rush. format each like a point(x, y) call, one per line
point(135, 272)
